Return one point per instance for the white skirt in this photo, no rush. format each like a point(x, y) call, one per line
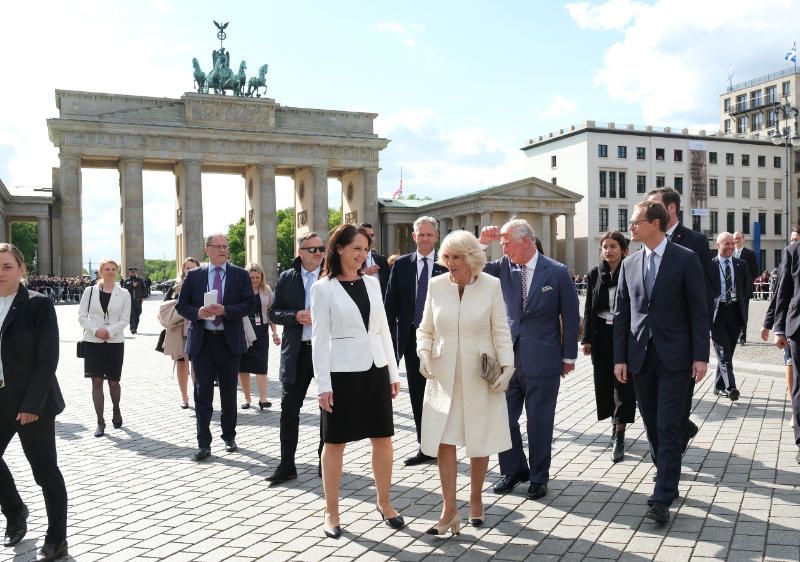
point(454, 429)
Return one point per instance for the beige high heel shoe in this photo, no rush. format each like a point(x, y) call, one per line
point(454, 525)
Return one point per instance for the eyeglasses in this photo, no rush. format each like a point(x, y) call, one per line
point(634, 224)
point(218, 246)
point(314, 249)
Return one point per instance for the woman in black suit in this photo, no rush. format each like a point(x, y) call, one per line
point(30, 399)
point(614, 399)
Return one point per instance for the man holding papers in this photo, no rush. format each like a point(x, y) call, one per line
point(215, 298)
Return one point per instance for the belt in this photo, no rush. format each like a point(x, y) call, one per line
point(214, 332)
point(305, 342)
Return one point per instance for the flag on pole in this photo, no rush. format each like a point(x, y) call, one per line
point(399, 191)
point(792, 55)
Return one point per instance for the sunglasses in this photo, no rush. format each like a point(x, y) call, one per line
point(314, 249)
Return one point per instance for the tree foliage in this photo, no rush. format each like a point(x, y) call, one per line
point(236, 238)
point(415, 197)
point(285, 233)
point(159, 270)
point(24, 236)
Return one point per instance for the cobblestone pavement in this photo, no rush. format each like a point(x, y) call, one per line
point(136, 495)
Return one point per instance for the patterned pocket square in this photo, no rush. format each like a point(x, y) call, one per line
point(546, 288)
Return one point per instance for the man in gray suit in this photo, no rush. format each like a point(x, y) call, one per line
point(542, 308)
point(661, 341)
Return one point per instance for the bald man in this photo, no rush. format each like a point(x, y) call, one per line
point(749, 257)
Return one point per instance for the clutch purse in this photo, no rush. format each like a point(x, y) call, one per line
point(490, 369)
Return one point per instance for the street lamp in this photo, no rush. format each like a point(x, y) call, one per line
point(783, 135)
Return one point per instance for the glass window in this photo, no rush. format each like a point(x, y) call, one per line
point(730, 192)
point(553, 181)
point(745, 159)
point(777, 255)
point(603, 176)
point(696, 223)
point(745, 223)
point(640, 153)
point(741, 124)
point(758, 121)
point(776, 161)
point(622, 152)
point(729, 158)
point(777, 190)
point(746, 189)
point(762, 161)
point(777, 222)
point(762, 190)
point(660, 181)
point(612, 184)
point(772, 95)
point(678, 184)
point(641, 184)
point(622, 219)
point(602, 150)
point(762, 220)
point(622, 185)
point(712, 187)
point(726, 105)
point(731, 220)
point(712, 157)
point(726, 126)
point(713, 218)
point(677, 155)
point(786, 89)
point(603, 220)
point(553, 161)
point(741, 102)
point(659, 154)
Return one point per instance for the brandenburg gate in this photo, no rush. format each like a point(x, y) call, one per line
point(256, 138)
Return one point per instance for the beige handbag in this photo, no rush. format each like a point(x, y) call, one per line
point(490, 369)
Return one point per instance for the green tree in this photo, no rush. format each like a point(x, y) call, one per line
point(334, 218)
point(24, 236)
point(285, 233)
point(158, 270)
point(236, 236)
point(414, 197)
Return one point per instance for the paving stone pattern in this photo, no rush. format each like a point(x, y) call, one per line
point(136, 495)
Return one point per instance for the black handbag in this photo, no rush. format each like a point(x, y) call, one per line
point(80, 349)
point(160, 343)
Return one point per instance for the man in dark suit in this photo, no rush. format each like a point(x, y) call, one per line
point(661, 341)
point(292, 309)
point(216, 338)
point(749, 257)
point(729, 315)
point(404, 303)
point(696, 242)
point(376, 264)
point(542, 309)
point(136, 287)
point(787, 324)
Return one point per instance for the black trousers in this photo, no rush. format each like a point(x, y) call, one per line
point(38, 441)
point(661, 395)
point(794, 345)
point(136, 312)
point(416, 382)
point(614, 399)
point(291, 402)
point(725, 335)
point(215, 361)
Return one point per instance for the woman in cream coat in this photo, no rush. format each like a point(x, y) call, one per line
point(464, 316)
point(104, 312)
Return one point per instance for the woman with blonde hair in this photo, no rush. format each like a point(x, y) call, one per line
point(464, 318)
point(103, 313)
point(254, 361)
point(177, 328)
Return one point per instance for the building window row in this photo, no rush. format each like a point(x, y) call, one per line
point(612, 184)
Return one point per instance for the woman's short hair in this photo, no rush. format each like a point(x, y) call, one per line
point(7, 248)
point(463, 243)
point(617, 237)
point(342, 235)
point(255, 268)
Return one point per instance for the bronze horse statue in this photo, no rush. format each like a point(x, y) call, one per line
point(260, 81)
point(199, 77)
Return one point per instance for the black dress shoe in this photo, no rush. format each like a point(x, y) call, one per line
point(507, 483)
point(733, 394)
point(282, 475)
point(333, 532)
point(691, 432)
point(658, 512)
point(116, 421)
point(651, 502)
point(263, 405)
point(718, 392)
point(396, 522)
point(52, 551)
point(536, 491)
point(246, 406)
point(16, 527)
point(230, 445)
point(202, 454)
point(618, 452)
point(419, 458)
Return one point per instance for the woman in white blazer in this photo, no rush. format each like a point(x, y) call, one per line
point(356, 372)
point(465, 316)
point(104, 312)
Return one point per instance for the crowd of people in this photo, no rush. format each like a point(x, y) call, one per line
point(60, 289)
point(482, 341)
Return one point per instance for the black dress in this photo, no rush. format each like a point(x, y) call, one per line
point(362, 401)
point(103, 359)
point(255, 359)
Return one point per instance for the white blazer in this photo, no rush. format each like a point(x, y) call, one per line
point(339, 341)
point(91, 316)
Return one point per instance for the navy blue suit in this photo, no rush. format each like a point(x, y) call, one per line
point(659, 338)
point(216, 354)
point(399, 301)
point(787, 321)
point(544, 333)
point(727, 325)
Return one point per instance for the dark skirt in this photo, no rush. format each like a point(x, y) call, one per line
point(254, 360)
point(362, 407)
point(103, 360)
point(614, 399)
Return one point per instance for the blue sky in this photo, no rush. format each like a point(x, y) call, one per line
point(459, 86)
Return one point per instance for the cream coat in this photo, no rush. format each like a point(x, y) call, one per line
point(473, 325)
point(92, 318)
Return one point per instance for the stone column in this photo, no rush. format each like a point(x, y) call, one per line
point(132, 216)
point(554, 238)
point(261, 244)
point(43, 250)
point(189, 235)
point(370, 204)
point(4, 237)
point(469, 223)
point(391, 237)
point(544, 235)
point(569, 241)
point(71, 217)
point(319, 201)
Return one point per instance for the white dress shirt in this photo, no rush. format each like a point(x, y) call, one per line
point(5, 306)
point(212, 276)
point(722, 295)
point(307, 286)
point(659, 251)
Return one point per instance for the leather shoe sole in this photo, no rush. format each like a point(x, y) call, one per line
point(52, 551)
point(15, 533)
point(536, 491)
point(202, 454)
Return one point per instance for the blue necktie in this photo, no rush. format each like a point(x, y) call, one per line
point(650, 276)
point(307, 285)
point(422, 292)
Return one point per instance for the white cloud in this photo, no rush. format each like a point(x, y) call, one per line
point(560, 107)
point(404, 33)
point(673, 56)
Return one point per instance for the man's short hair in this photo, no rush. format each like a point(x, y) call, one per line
point(213, 235)
point(429, 220)
point(654, 210)
point(796, 228)
point(365, 225)
point(668, 196)
point(303, 237)
point(517, 229)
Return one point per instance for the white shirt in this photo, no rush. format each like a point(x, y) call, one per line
point(212, 276)
point(531, 266)
point(659, 251)
point(670, 231)
point(738, 253)
point(307, 286)
point(369, 263)
point(420, 263)
point(5, 306)
point(722, 295)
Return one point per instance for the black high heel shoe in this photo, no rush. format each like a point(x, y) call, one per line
point(116, 421)
point(396, 522)
point(263, 405)
point(331, 532)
